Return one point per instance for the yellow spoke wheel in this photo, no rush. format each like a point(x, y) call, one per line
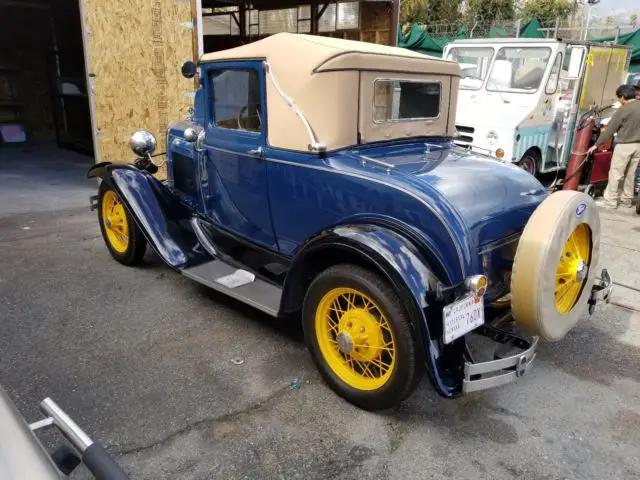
point(355, 338)
point(114, 220)
point(124, 239)
point(361, 336)
point(572, 268)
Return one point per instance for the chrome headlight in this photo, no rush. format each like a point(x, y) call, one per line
point(142, 143)
point(492, 137)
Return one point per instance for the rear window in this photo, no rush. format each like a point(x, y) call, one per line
point(405, 100)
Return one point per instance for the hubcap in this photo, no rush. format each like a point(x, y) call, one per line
point(345, 343)
point(581, 271)
point(573, 268)
point(355, 338)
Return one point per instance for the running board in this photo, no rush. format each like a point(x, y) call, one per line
point(237, 283)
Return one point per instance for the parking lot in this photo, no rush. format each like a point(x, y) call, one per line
point(180, 382)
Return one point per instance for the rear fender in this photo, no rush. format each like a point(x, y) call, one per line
point(163, 218)
point(391, 255)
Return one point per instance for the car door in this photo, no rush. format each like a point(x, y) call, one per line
point(235, 138)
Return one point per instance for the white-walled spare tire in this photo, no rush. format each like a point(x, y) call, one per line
point(555, 265)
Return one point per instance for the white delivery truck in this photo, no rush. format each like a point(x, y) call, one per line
point(519, 98)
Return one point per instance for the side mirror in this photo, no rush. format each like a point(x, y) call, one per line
point(189, 69)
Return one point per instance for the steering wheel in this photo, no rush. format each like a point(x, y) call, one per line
point(240, 116)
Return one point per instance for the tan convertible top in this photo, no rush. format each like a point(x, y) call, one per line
point(325, 54)
point(323, 76)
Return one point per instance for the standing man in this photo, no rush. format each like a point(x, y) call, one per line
point(626, 124)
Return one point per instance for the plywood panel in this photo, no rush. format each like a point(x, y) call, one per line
point(605, 72)
point(135, 49)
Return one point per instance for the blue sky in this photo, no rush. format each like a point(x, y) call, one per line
point(606, 7)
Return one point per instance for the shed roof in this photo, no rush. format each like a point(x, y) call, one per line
point(317, 54)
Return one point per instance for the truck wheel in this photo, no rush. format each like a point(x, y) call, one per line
point(125, 241)
point(360, 337)
point(529, 163)
point(555, 265)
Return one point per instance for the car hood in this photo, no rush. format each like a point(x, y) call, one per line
point(472, 111)
point(494, 199)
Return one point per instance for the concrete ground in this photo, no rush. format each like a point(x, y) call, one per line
point(180, 382)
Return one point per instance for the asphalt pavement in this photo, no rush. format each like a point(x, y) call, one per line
point(180, 382)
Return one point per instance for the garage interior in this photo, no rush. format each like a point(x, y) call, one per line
point(43, 93)
point(47, 94)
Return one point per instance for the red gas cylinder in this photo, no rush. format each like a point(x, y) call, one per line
point(578, 153)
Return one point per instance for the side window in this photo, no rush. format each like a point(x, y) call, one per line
point(552, 83)
point(236, 99)
point(405, 100)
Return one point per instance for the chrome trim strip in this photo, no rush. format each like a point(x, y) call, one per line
point(364, 159)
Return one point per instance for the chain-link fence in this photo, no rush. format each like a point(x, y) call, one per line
point(575, 28)
point(581, 29)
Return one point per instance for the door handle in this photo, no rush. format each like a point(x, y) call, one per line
point(256, 151)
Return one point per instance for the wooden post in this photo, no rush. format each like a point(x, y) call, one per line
point(194, 30)
point(242, 11)
point(395, 20)
point(314, 17)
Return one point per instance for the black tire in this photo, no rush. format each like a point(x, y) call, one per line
point(638, 203)
point(408, 367)
point(529, 162)
point(136, 244)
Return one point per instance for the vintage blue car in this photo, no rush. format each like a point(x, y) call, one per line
point(316, 179)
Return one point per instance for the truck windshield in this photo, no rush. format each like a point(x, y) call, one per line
point(518, 69)
point(474, 64)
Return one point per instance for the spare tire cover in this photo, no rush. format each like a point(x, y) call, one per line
point(539, 288)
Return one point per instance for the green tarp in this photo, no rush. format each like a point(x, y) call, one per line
point(532, 29)
point(419, 40)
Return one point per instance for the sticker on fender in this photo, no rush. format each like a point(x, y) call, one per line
point(461, 317)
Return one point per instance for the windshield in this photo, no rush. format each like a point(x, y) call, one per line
point(519, 70)
point(474, 64)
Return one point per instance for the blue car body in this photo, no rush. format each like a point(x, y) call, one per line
point(424, 212)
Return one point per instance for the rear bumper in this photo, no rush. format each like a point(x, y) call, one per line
point(601, 291)
point(484, 375)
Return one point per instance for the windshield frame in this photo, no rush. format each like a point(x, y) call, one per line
point(519, 90)
point(475, 47)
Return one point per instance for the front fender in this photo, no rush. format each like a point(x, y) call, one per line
point(393, 256)
point(160, 214)
point(99, 170)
